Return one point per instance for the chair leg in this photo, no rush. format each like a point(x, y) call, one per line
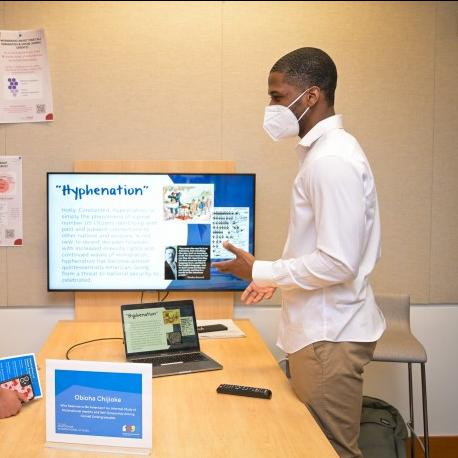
point(425, 410)
point(411, 422)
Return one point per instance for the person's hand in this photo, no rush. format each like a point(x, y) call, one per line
point(241, 266)
point(254, 293)
point(10, 402)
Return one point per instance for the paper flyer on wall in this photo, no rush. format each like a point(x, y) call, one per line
point(26, 94)
point(11, 201)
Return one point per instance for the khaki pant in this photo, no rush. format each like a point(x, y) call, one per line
point(327, 378)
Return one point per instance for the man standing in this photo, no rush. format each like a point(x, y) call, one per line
point(330, 322)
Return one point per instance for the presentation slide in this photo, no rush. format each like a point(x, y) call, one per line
point(158, 329)
point(112, 232)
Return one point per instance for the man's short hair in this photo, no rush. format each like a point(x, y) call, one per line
point(307, 67)
point(172, 248)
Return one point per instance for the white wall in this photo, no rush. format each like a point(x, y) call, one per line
point(24, 330)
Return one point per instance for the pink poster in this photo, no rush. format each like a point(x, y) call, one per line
point(26, 94)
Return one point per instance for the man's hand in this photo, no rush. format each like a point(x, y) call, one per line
point(241, 266)
point(254, 293)
point(10, 402)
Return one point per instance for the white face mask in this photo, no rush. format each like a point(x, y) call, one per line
point(280, 122)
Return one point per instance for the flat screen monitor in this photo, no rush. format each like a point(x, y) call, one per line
point(148, 231)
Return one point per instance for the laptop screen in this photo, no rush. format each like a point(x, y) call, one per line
point(159, 327)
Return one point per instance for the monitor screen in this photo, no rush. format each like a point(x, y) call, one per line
point(148, 231)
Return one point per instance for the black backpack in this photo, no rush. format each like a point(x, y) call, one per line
point(383, 430)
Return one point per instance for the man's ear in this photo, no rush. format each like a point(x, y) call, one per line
point(313, 95)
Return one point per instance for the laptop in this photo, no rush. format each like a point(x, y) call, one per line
point(165, 335)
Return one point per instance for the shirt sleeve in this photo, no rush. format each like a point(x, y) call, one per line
point(336, 191)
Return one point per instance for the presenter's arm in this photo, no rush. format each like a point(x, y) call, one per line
point(10, 402)
point(336, 192)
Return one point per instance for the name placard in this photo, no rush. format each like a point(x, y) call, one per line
point(93, 405)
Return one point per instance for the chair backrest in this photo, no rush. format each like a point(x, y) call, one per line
point(395, 309)
point(397, 343)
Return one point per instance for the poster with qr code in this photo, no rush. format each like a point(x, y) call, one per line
point(26, 94)
point(11, 201)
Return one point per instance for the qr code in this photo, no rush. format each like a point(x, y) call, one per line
point(41, 108)
point(9, 233)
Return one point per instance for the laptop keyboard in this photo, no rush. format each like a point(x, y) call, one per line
point(186, 357)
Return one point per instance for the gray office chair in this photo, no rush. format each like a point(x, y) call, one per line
point(399, 345)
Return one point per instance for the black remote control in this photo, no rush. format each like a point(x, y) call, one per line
point(240, 390)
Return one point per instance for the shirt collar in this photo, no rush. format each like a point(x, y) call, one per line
point(321, 128)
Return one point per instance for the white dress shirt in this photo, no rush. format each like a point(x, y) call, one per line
point(332, 247)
